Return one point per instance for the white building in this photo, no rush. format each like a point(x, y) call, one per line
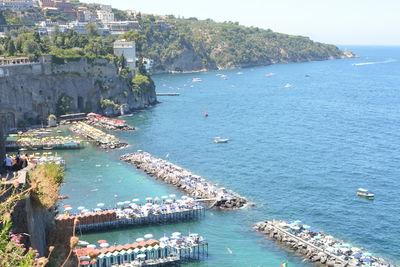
point(17, 4)
point(128, 49)
point(106, 7)
point(105, 16)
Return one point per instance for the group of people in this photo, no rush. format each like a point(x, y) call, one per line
point(16, 163)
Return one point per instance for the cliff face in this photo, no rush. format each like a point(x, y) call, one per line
point(32, 91)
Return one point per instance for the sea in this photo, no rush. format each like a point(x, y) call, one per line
point(297, 152)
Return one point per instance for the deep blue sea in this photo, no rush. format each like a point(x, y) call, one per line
point(297, 153)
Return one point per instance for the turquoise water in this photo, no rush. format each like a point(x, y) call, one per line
point(297, 153)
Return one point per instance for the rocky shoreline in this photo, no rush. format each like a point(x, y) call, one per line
point(193, 185)
point(314, 246)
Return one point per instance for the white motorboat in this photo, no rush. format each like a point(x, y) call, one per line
point(218, 140)
point(362, 192)
point(288, 85)
point(196, 80)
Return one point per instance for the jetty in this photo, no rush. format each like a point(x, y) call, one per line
point(193, 185)
point(315, 246)
point(129, 214)
point(107, 123)
point(28, 142)
point(102, 139)
point(152, 252)
point(167, 94)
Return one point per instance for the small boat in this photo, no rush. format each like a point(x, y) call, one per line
point(196, 80)
point(307, 75)
point(288, 85)
point(205, 112)
point(48, 147)
point(362, 192)
point(269, 74)
point(63, 197)
point(219, 140)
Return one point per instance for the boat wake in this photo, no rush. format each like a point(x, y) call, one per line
point(376, 62)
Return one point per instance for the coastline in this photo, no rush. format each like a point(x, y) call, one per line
point(346, 55)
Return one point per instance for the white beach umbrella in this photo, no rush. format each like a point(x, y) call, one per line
point(148, 236)
point(104, 245)
point(100, 205)
point(91, 246)
point(139, 239)
point(135, 200)
point(80, 208)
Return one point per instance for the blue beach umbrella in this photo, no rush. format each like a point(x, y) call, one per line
point(314, 230)
point(367, 259)
point(357, 256)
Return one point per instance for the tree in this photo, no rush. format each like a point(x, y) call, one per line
point(31, 49)
point(11, 48)
point(91, 29)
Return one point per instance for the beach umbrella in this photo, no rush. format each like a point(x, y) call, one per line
point(164, 197)
point(67, 206)
point(102, 241)
point(139, 239)
point(367, 259)
point(176, 234)
point(100, 205)
point(83, 243)
point(85, 211)
point(148, 236)
point(80, 208)
point(83, 263)
point(164, 239)
point(149, 198)
point(91, 246)
point(357, 256)
point(104, 245)
point(172, 196)
point(135, 200)
point(97, 210)
point(314, 230)
point(127, 202)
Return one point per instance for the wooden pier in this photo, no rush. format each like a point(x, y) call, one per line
point(167, 94)
point(106, 220)
point(146, 253)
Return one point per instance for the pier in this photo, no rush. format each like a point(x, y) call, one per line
point(316, 246)
point(194, 185)
point(130, 214)
point(167, 94)
point(166, 250)
point(98, 120)
point(102, 139)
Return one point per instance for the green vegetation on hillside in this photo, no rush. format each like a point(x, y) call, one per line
point(227, 45)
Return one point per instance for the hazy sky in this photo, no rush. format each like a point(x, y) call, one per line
point(369, 22)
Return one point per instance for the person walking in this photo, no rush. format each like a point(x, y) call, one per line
point(8, 163)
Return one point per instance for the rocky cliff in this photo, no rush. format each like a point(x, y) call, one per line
point(30, 92)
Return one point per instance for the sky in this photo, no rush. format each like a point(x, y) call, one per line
point(340, 22)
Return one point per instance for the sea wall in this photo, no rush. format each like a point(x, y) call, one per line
point(31, 91)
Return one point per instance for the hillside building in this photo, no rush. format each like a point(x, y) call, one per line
point(128, 50)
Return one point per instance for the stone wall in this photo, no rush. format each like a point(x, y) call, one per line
point(31, 91)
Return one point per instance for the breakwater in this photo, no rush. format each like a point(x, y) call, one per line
point(193, 185)
point(130, 214)
point(102, 139)
point(315, 246)
point(151, 252)
point(108, 123)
